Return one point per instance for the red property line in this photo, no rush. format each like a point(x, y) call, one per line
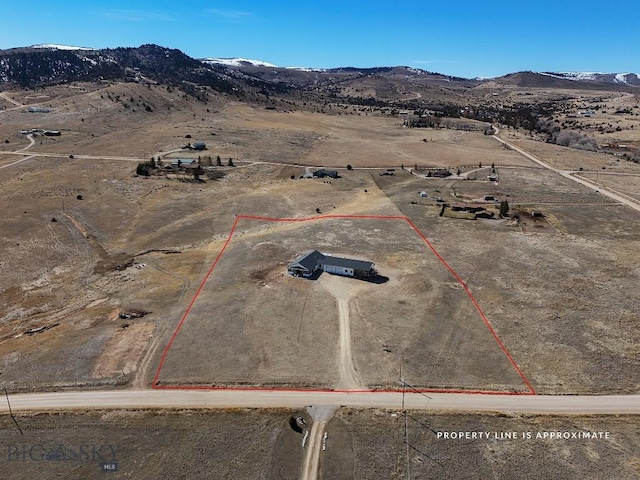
point(193, 300)
point(484, 318)
point(340, 216)
point(325, 390)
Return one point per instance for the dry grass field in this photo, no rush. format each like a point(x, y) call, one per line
point(566, 285)
point(370, 444)
point(254, 324)
point(360, 444)
point(629, 185)
point(84, 242)
point(248, 444)
point(539, 282)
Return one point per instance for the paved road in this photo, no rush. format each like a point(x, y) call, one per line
point(571, 175)
point(561, 404)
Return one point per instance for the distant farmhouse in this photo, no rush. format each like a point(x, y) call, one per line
point(38, 110)
point(325, 173)
point(313, 261)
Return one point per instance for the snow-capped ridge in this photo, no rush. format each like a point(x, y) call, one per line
point(55, 46)
point(237, 62)
point(622, 78)
point(306, 69)
point(574, 75)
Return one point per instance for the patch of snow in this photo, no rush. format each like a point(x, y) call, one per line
point(306, 69)
point(417, 71)
point(237, 62)
point(621, 78)
point(60, 47)
point(574, 75)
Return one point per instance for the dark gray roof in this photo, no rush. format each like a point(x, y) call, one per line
point(347, 263)
point(309, 260)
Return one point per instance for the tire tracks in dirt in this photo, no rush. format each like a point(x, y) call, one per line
point(139, 380)
point(321, 414)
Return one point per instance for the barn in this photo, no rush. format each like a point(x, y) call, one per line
point(313, 261)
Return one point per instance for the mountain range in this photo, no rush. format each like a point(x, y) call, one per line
point(47, 64)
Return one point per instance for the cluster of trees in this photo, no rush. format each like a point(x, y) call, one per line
point(207, 161)
point(566, 138)
point(144, 169)
point(439, 122)
point(504, 208)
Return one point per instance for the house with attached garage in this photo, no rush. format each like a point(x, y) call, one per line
point(307, 264)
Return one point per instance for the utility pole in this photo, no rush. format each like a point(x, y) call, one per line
point(406, 419)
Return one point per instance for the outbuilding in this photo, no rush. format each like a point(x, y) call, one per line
point(325, 173)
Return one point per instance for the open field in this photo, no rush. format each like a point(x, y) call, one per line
point(539, 281)
point(566, 158)
point(565, 285)
point(135, 121)
point(84, 243)
point(254, 324)
point(360, 444)
point(629, 185)
point(370, 444)
point(248, 444)
point(61, 294)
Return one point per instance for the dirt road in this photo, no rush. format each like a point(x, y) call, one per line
point(321, 414)
point(571, 175)
point(343, 290)
point(560, 404)
point(17, 161)
point(312, 455)
point(11, 100)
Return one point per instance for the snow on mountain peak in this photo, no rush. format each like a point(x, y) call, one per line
point(621, 78)
point(54, 46)
point(238, 62)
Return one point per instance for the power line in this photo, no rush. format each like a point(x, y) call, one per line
point(11, 412)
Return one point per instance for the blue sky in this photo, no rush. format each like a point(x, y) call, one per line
point(479, 38)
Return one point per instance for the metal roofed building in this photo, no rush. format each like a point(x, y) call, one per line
point(306, 264)
point(313, 261)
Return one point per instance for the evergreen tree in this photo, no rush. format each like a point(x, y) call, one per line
point(504, 208)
